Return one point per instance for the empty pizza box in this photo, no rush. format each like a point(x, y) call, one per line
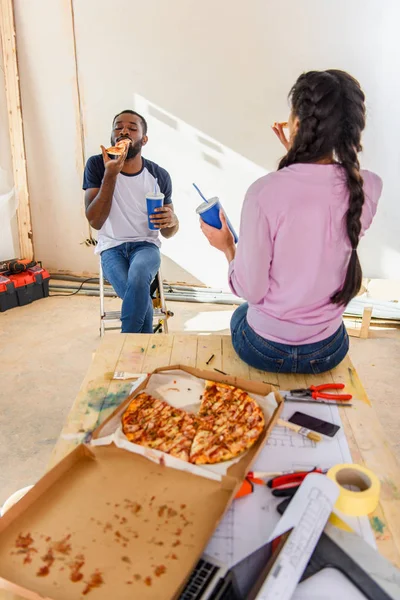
point(110, 522)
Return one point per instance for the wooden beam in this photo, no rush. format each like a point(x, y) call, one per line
point(16, 129)
point(365, 323)
point(363, 332)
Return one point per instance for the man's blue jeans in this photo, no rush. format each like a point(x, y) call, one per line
point(265, 355)
point(131, 268)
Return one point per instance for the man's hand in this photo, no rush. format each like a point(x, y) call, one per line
point(164, 218)
point(221, 239)
point(98, 200)
point(114, 166)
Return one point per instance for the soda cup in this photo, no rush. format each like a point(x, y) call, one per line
point(209, 213)
point(153, 201)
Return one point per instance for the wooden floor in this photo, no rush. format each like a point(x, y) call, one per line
point(99, 395)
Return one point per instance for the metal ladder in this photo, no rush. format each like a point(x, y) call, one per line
point(112, 319)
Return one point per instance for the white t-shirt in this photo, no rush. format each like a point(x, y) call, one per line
point(127, 221)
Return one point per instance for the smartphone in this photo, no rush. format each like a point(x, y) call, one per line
point(318, 425)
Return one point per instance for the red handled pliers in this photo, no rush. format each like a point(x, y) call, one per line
point(318, 391)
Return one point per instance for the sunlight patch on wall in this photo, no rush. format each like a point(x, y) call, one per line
point(191, 156)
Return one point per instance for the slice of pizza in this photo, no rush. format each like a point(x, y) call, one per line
point(234, 422)
point(177, 439)
point(119, 147)
point(156, 424)
point(221, 397)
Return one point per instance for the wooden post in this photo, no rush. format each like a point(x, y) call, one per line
point(16, 130)
point(366, 321)
point(363, 332)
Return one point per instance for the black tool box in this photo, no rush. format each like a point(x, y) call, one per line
point(8, 297)
point(19, 289)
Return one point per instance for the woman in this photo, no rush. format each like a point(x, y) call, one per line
point(296, 262)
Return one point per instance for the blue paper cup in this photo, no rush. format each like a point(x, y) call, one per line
point(153, 201)
point(209, 213)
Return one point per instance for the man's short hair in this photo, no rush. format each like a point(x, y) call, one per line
point(132, 112)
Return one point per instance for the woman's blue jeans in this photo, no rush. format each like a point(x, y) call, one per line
point(265, 355)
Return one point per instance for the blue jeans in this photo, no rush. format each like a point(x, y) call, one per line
point(265, 355)
point(131, 268)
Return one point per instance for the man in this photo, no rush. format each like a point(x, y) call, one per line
point(115, 203)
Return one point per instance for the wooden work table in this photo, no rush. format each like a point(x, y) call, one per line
point(99, 395)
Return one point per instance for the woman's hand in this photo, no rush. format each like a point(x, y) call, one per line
point(221, 239)
point(280, 134)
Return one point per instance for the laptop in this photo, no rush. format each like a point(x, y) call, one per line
point(213, 580)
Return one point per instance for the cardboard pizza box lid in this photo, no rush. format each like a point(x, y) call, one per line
point(138, 527)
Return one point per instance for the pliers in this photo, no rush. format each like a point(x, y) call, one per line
point(314, 392)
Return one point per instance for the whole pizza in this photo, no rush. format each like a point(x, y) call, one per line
point(228, 423)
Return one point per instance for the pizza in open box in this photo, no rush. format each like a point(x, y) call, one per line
point(229, 422)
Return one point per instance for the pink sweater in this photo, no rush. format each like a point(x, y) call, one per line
point(293, 250)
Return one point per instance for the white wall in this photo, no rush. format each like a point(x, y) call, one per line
point(381, 248)
point(9, 245)
point(218, 71)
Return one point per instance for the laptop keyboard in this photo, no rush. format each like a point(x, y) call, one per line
point(199, 580)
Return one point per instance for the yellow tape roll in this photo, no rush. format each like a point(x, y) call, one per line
point(363, 498)
point(338, 522)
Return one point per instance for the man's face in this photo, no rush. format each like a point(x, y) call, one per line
point(127, 126)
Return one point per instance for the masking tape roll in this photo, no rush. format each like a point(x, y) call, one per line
point(355, 503)
point(335, 520)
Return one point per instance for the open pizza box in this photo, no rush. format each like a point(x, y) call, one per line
point(109, 522)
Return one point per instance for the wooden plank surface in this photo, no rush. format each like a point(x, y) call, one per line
point(184, 350)
point(99, 395)
point(94, 397)
point(209, 346)
point(157, 352)
point(257, 375)
point(231, 363)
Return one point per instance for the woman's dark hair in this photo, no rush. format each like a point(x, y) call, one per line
point(330, 106)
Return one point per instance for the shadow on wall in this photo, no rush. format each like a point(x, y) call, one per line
point(191, 156)
point(174, 273)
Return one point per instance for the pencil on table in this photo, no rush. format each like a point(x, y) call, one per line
point(219, 371)
point(210, 359)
